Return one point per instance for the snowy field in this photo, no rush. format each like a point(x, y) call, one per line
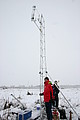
point(30, 101)
point(73, 97)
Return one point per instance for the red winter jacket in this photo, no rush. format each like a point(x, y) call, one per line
point(47, 90)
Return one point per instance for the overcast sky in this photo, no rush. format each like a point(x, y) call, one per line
point(20, 41)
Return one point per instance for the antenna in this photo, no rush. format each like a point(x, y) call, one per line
point(39, 21)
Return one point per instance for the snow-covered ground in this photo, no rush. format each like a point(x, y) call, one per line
point(30, 101)
point(73, 97)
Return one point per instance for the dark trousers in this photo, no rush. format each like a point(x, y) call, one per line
point(48, 110)
point(56, 102)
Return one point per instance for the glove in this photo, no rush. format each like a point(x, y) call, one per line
point(41, 94)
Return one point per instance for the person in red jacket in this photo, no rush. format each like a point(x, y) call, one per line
point(48, 95)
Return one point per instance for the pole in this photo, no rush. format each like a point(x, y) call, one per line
point(18, 101)
point(70, 115)
point(39, 21)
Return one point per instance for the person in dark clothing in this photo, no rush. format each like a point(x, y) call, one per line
point(48, 91)
point(55, 93)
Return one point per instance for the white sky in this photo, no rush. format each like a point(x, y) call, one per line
point(20, 39)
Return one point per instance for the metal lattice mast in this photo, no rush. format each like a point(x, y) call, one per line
point(38, 19)
point(40, 23)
